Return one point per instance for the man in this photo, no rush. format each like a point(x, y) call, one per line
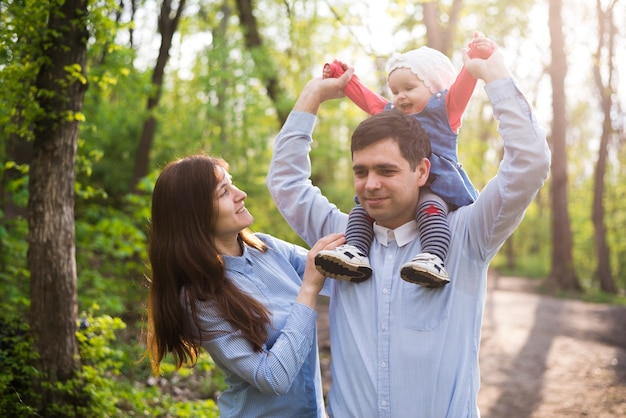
point(400, 350)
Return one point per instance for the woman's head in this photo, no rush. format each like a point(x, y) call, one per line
point(196, 195)
point(184, 198)
point(193, 203)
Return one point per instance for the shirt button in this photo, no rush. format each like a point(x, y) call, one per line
point(385, 290)
point(383, 364)
point(383, 402)
point(389, 257)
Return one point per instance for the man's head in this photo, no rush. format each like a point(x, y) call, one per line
point(405, 130)
point(390, 153)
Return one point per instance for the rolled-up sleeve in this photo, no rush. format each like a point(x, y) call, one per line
point(522, 172)
point(302, 204)
point(270, 371)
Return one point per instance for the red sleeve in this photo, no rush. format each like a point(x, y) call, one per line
point(360, 95)
point(461, 91)
point(458, 97)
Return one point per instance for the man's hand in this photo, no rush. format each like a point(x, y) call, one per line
point(319, 90)
point(489, 69)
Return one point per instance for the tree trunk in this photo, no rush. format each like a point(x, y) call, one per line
point(438, 36)
point(263, 62)
point(167, 29)
point(606, 29)
point(51, 253)
point(563, 275)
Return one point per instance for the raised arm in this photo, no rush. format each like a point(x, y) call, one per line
point(525, 166)
point(302, 205)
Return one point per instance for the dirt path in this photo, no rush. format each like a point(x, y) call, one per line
point(542, 357)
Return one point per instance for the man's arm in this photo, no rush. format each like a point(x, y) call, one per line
point(304, 207)
point(501, 205)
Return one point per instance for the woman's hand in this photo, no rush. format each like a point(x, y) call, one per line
point(313, 281)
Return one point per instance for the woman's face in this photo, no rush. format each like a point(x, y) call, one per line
point(232, 215)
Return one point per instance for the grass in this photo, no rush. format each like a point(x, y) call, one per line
point(536, 268)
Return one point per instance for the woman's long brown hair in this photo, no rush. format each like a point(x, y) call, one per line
point(183, 254)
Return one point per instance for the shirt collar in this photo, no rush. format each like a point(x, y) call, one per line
point(237, 263)
point(402, 234)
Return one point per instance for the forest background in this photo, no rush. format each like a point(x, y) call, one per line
point(98, 95)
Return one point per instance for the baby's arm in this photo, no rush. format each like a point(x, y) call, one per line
point(360, 95)
point(462, 89)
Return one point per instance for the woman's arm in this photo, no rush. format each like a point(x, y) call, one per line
point(273, 369)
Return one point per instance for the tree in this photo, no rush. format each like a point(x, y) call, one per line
point(438, 36)
point(60, 88)
point(604, 54)
point(562, 275)
point(262, 60)
point(168, 23)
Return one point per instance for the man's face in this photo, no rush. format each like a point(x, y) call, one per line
point(385, 185)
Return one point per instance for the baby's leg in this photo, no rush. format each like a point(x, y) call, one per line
point(349, 261)
point(427, 268)
point(432, 221)
point(359, 231)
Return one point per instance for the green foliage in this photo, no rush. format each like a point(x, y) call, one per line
point(111, 254)
point(102, 389)
point(18, 374)
point(112, 107)
point(15, 178)
point(21, 30)
point(530, 266)
point(14, 273)
point(112, 377)
point(595, 295)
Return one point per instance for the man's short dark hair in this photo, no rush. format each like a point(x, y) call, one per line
point(404, 129)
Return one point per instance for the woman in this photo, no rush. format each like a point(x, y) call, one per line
point(248, 299)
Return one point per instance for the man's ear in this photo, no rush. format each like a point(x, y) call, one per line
point(423, 171)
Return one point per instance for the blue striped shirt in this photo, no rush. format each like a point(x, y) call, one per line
point(401, 350)
point(284, 379)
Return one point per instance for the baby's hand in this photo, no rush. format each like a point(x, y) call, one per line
point(334, 69)
point(481, 46)
point(326, 71)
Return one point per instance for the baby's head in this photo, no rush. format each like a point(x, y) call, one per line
point(428, 64)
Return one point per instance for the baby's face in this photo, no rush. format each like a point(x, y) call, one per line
point(410, 94)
